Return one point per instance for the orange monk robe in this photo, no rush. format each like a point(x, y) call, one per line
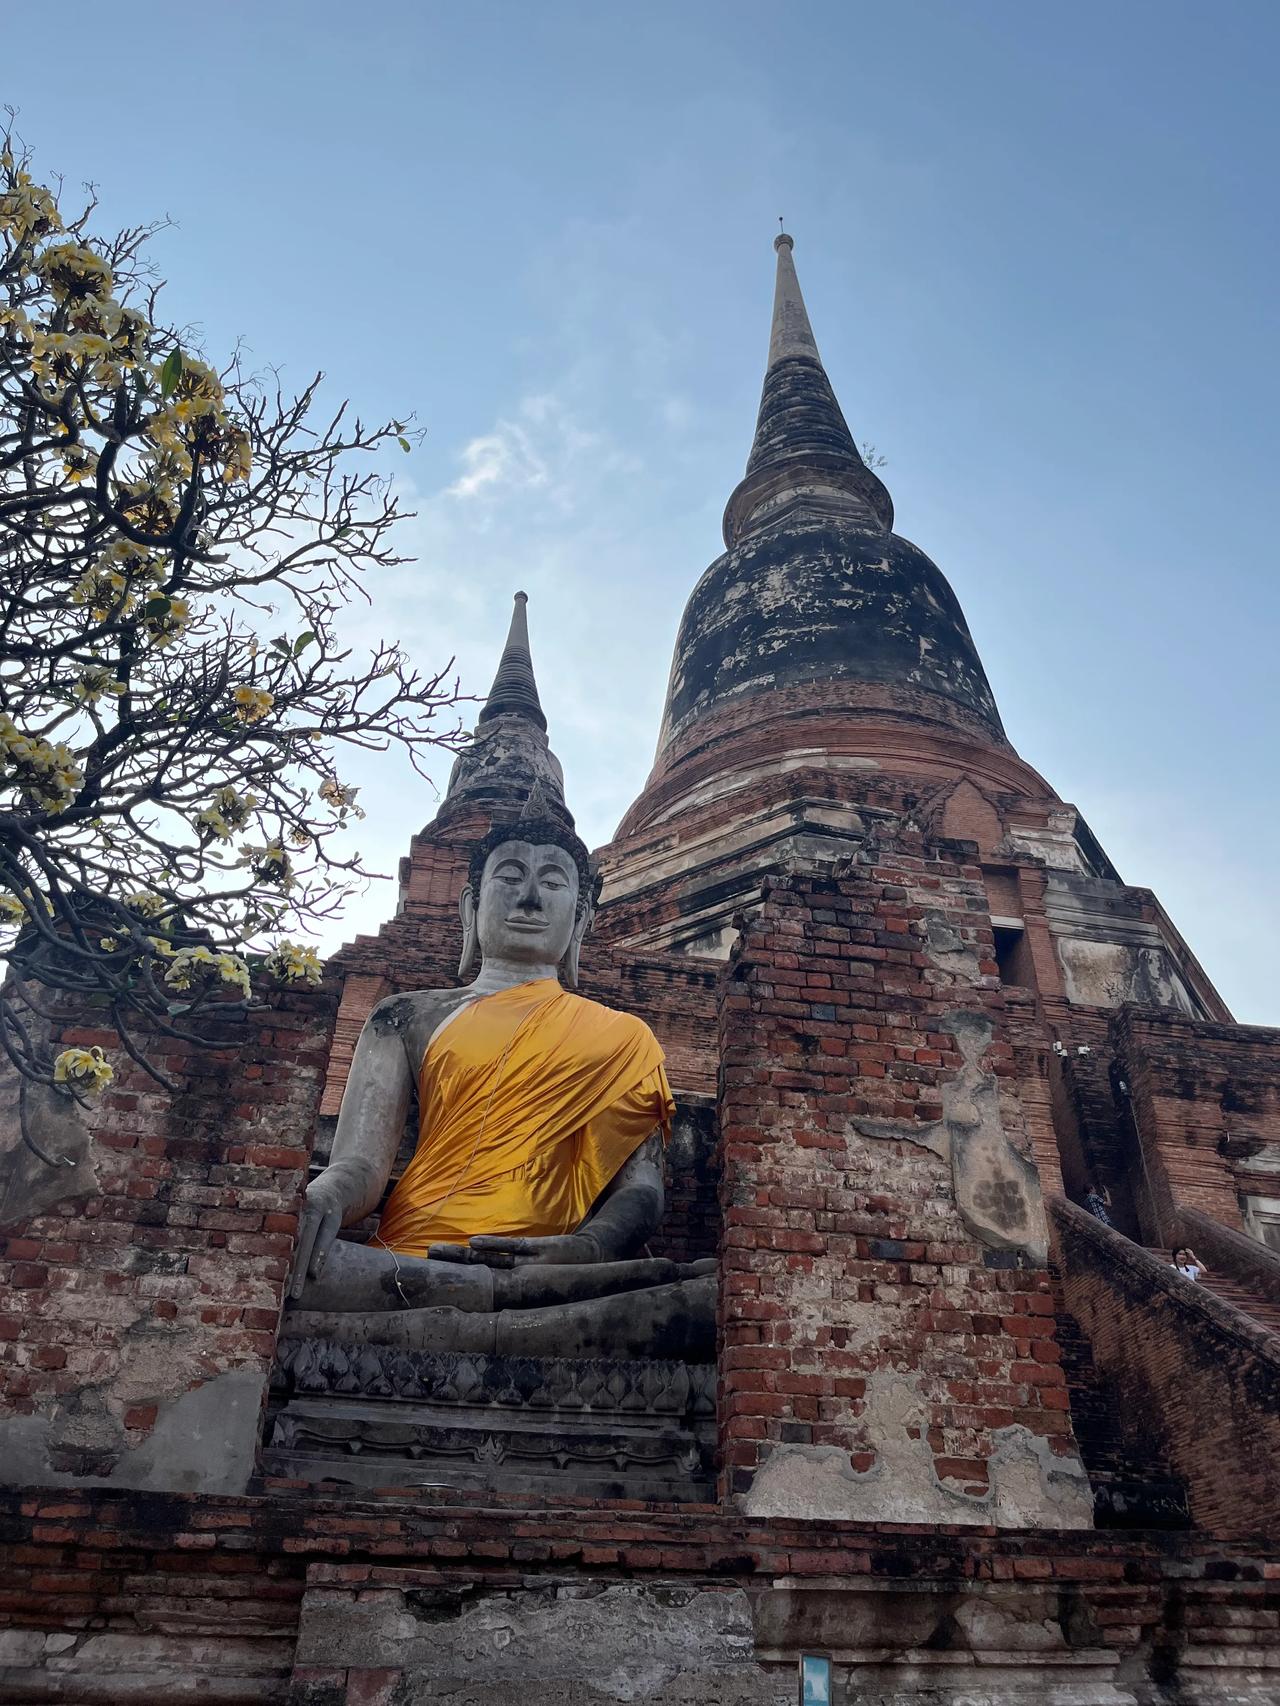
point(529, 1102)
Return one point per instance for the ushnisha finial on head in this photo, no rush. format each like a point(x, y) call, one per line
point(536, 805)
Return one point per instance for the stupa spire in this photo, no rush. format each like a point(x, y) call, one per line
point(791, 333)
point(515, 692)
point(819, 629)
point(508, 754)
point(803, 448)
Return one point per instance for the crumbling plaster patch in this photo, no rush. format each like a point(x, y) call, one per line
point(202, 1441)
point(1029, 1486)
point(30, 1185)
point(997, 1190)
point(551, 1644)
point(1109, 974)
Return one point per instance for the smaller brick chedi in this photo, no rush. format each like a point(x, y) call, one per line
point(823, 1302)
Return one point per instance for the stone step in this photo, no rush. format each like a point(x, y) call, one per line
point(1130, 1488)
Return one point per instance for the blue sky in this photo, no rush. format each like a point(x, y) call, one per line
point(1039, 249)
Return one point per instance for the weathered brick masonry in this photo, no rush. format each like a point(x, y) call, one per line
point(1196, 1372)
point(139, 1312)
point(1196, 1086)
point(860, 1312)
point(319, 1602)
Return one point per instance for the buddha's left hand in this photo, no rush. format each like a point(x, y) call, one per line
point(570, 1249)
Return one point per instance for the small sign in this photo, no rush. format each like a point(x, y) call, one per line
point(815, 1680)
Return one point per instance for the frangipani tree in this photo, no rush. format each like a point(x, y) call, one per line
point(176, 709)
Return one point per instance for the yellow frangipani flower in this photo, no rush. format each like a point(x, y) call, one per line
point(252, 703)
point(85, 1071)
point(292, 962)
point(194, 968)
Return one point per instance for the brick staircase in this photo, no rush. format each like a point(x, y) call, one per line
point(1260, 1310)
point(1132, 1488)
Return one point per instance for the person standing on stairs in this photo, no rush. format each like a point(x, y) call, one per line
point(1188, 1263)
point(1097, 1199)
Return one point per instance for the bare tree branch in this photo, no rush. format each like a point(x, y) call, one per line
point(177, 545)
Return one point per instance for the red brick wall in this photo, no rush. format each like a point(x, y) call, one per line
point(834, 1011)
point(754, 732)
point(690, 1226)
point(1194, 1085)
point(163, 1275)
point(361, 993)
point(1193, 1372)
point(418, 948)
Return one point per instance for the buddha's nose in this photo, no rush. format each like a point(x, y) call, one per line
point(530, 896)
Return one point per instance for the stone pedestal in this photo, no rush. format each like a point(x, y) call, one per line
point(372, 1417)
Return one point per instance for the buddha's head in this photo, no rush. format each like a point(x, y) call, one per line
point(530, 897)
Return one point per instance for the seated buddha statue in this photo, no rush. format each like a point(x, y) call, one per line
point(537, 1177)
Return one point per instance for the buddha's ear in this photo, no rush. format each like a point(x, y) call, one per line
point(581, 925)
point(470, 935)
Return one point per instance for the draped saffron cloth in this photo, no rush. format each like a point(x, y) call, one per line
point(529, 1101)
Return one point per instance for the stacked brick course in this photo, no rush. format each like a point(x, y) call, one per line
point(1194, 1086)
point(115, 1596)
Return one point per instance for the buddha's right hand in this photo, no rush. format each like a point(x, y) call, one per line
point(323, 1208)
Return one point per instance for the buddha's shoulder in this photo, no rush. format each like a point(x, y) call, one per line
point(619, 1022)
point(404, 1015)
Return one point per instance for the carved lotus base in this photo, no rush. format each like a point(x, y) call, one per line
point(376, 1417)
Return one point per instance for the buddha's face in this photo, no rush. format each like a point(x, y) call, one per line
point(528, 903)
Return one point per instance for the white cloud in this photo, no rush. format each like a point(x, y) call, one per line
point(499, 461)
point(545, 448)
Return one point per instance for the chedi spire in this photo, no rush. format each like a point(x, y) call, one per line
point(803, 449)
point(514, 691)
point(791, 334)
point(820, 631)
point(509, 757)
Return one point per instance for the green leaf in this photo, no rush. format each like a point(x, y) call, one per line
point(302, 642)
point(404, 445)
point(342, 533)
point(281, 644)
point(171, 373)
point(158, 606)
